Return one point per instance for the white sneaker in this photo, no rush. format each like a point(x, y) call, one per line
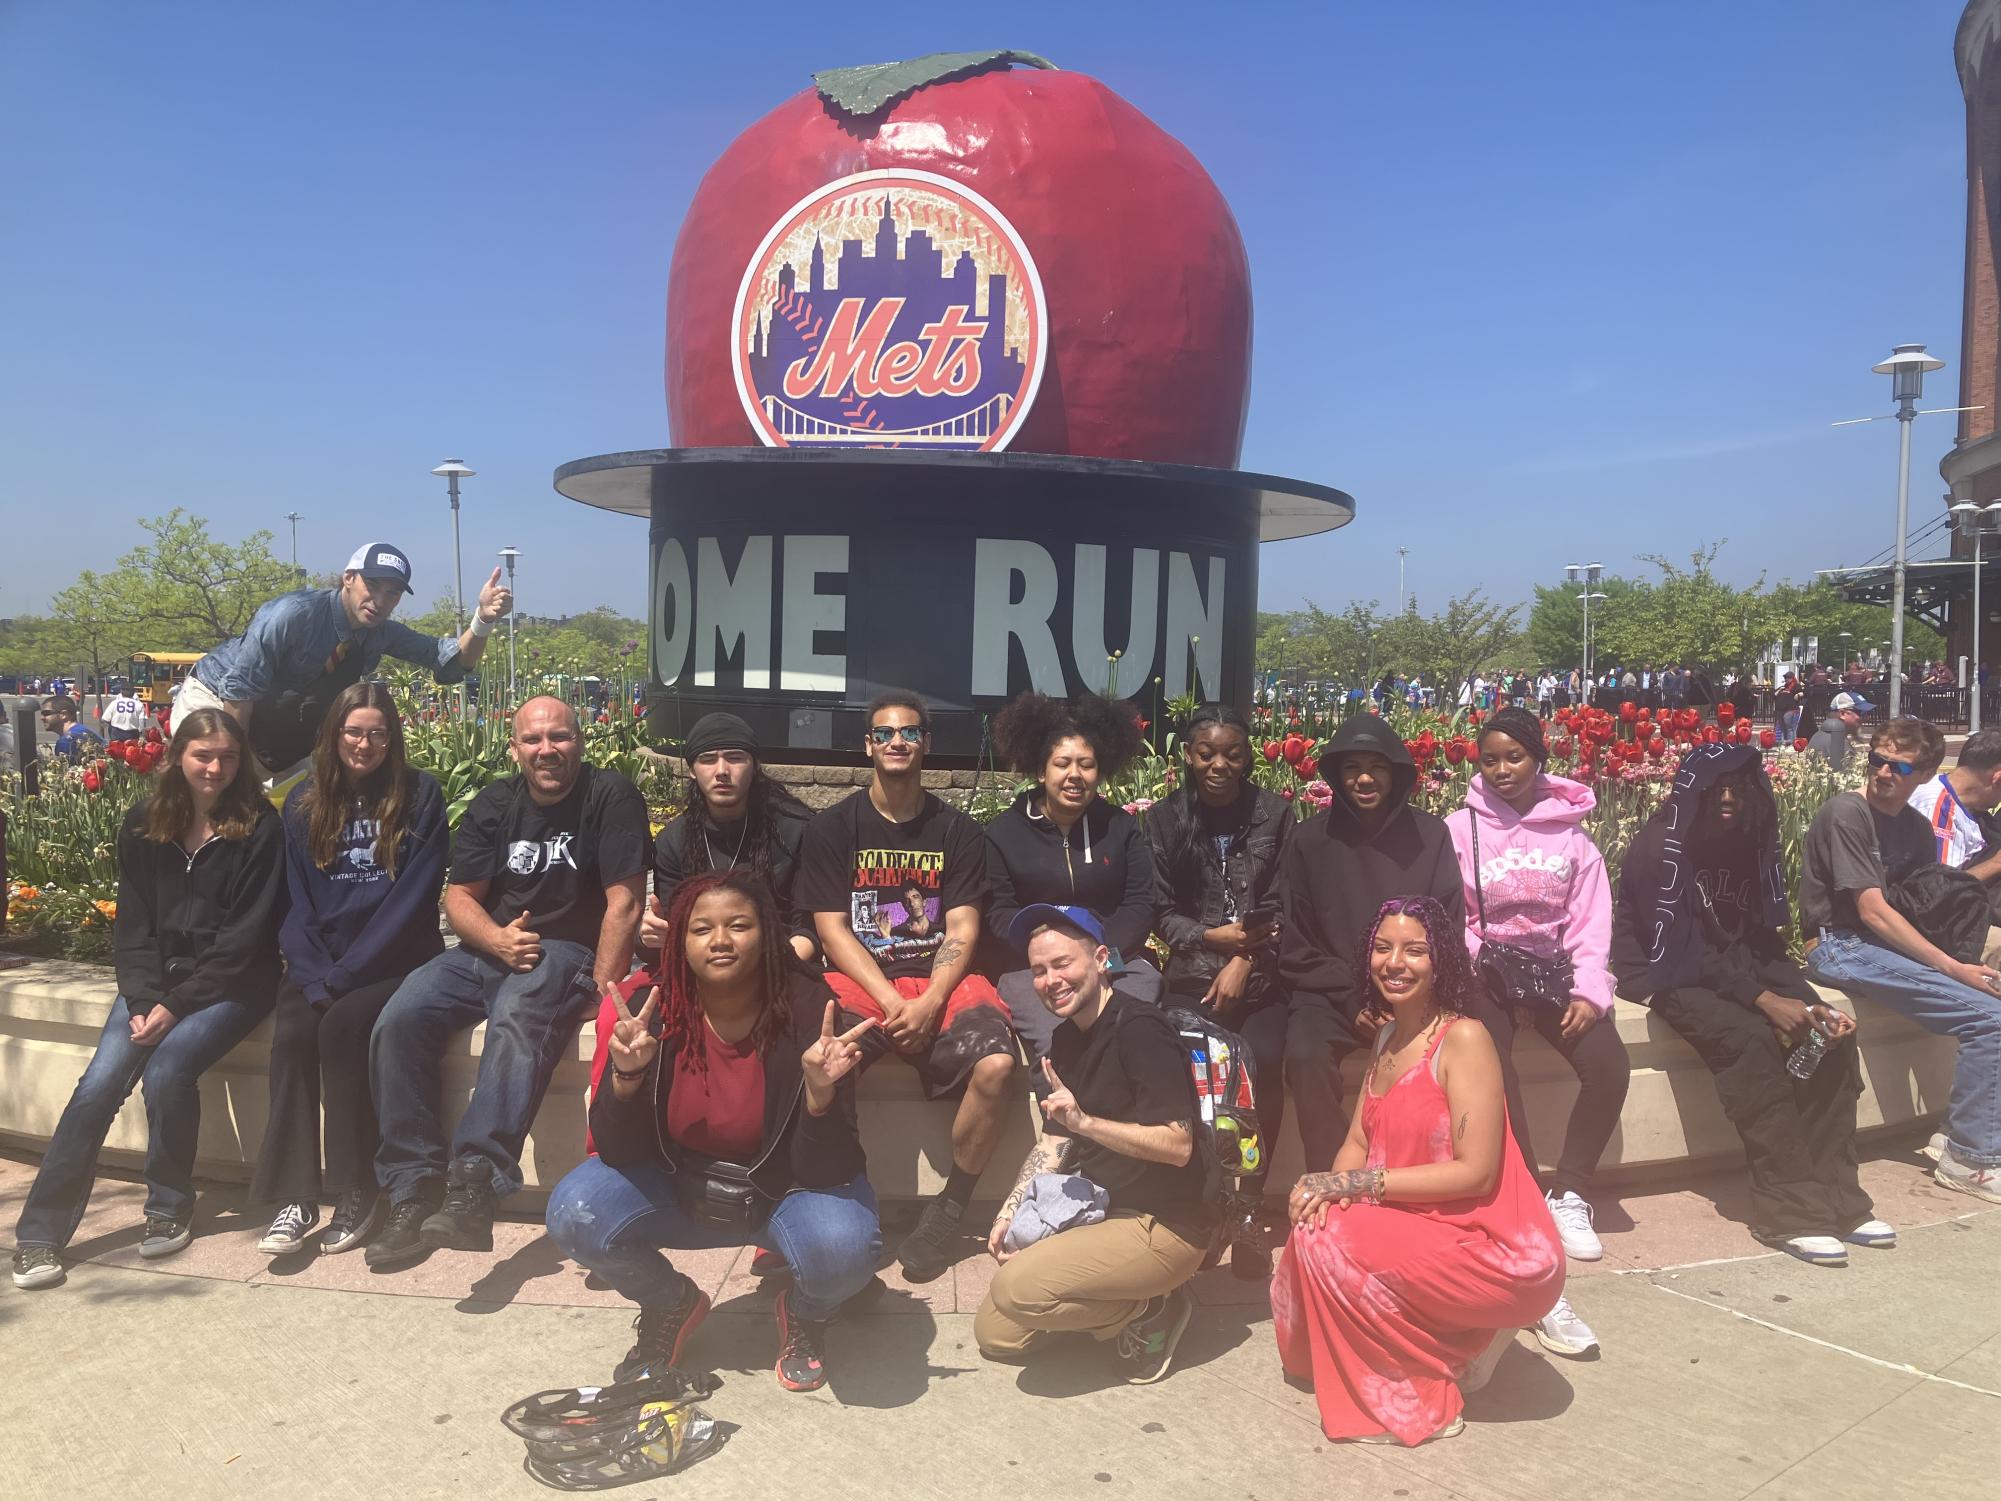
point(1873, 1233)
point(1964, 1177)
point(1481, 1371)
point(289, 1230)
point(1573, 1226)
point(1935, 1148)
point(1820, 1250)
point(1562, 1332)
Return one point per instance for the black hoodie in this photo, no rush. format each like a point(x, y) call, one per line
point(1336, 873)
point(1103, 863)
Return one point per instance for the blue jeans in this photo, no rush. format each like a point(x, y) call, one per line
point(171, 1071)
point(530, 1020)
point(615, 1220)
point(1938, 1004)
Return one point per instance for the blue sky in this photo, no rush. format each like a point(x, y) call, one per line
point(1533, 281)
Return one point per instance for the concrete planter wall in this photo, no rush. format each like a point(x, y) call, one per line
point(51, 1014)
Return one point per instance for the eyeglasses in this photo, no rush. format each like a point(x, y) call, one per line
point(882, 734)
point(354, 735)
point(1901, 768)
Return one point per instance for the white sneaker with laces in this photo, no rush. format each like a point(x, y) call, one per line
point(1573, 1226)
point(1873, 1233)
point(1935, 1148)
point(1481, 1371)
point(1964, 1177)
point(1820, 1250)
point(1562, 1332)
point(289, 1230)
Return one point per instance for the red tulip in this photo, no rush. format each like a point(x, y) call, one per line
point(1767, 740)
point(1726, 711)
point(1800, 743)
point(1657, 747)
point(1474, 716)
point(153, 735)
point(1294, 748)
point(1560, 746)
point(1455, 751)
point(1712, 736)
point(1272, 749)
point(92, 781)
point(1629, 711)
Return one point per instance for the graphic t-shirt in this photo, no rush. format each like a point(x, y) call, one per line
point(895, 881)
point(1955, 828)
point(553, 863)
point(719, 1112)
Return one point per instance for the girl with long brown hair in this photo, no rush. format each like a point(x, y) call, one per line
point(200, 890)
point(366, 839)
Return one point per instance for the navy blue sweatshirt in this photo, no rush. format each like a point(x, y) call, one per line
point(350, 925)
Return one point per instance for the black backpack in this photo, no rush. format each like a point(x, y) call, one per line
point(1228, 1138)
point(1948, 906)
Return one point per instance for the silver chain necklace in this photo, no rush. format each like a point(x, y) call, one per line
point(739, 845)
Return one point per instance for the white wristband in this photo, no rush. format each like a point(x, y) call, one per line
point(481, 626)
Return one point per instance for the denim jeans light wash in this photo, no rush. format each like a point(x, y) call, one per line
point(170, 1071)
point(530, 1020)
point(1847, 960)
point(615, 1220)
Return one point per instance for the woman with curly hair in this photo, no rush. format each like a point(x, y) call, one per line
point(1415, 1258)
point(1063, 844)
point(726, 1117)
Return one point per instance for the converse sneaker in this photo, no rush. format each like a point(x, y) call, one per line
point(801, 1364)
point(289, 1230)
point(464, 1222)
point(353, 1218)
point(1820, 1250)
point(1481, 1371)
point(1874, 1234)
point(660, 1333)
point(1146, 1345)
point(928, 1251)
point(1562, 1332)
point(1964, 1177)
point(38, 1266)
point(1573, 1226)
point(165, 1237)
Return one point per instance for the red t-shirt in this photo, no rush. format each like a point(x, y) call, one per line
point(719, 1113)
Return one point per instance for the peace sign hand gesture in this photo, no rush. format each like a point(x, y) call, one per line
point(633, 1047)
point(830, 1059)
point(1059, 1106)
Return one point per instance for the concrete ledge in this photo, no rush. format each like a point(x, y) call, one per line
point(51, 1014)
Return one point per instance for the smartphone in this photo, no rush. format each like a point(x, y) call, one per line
point(1261, 916)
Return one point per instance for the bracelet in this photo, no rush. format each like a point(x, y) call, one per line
point(629, 1075)
point(481, 626)
point(1381, 1176)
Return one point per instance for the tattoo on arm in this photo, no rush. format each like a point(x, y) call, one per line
point(949, 953)
point(1460, 1134)
point(1043, 1157)
point(1355, 1183)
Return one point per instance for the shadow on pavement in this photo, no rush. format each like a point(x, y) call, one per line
point(1071, 1365)
point(1526, 1388)
point(499, 1286)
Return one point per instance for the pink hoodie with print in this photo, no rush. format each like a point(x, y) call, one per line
point(1544, 879)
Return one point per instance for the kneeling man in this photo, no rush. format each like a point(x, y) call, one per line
point(1120, 1112)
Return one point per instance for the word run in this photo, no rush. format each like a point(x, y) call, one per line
point(706, 615)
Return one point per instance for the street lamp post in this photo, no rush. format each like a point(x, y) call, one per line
point(454, 470)
point(1846, 637)
point(1589, 575)
point(1972, 520)
point(293, 517)
point(1402, 553)
point(1907, 367)
point(507, 556)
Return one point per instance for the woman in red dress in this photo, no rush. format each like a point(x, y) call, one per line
point(1413, 1261)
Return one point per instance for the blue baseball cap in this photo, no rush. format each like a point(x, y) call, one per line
point(1043, 914)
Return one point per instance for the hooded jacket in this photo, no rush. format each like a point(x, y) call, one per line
point(1337, 872)
point(1103, 863)
point(1196, 890)
point(1831, 742)
point(1542, 878)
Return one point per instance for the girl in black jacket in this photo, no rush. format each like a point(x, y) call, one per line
point(200, 891)
point(365, 846)
point(1064, 844)
point(727, 1118)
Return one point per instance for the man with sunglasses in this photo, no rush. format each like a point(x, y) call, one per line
point(1857, 845)
point(896, 882)
point(1834, 740)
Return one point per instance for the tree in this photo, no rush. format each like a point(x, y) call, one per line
point(1554, 637)
point(1470, 633)
point(189, 590)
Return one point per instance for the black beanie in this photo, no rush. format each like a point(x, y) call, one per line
point(717, 732)
point(1519, 725)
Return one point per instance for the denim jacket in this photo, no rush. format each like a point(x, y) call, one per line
point(292, 637)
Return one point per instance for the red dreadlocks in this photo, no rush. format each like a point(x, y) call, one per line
point(680, 1008)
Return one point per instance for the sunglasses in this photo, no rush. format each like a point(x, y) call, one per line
point(882, 734)
point(1901, 768)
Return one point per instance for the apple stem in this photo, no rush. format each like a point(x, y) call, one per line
point(870, 89)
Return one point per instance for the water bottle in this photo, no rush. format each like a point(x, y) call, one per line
point(1805, 1058)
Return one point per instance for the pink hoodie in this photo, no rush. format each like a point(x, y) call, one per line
point(1544, 879)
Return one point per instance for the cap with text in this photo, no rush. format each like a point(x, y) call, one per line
point(381, 560)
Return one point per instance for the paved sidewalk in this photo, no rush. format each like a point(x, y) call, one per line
point(1728, 1372)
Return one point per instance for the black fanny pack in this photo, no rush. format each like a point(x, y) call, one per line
point(1513, 976)
point(721, 1194)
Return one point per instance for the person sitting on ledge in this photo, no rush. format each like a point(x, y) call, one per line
point(1416, 1257)
point(1858, 844)
point(1120, 1113)
point(882, 860)
point(366, 841)
point(547, 871)
point(1698, 935)
point(1957, 804)
point(201, 886)
point(728, 1117)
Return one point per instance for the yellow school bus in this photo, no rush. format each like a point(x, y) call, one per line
point(155, 673)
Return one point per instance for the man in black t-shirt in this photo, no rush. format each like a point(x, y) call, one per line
point(896, 882)
point(548, 869)
point(1121, 1112)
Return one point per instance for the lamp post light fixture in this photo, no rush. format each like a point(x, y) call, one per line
point(1907, 367)
point(507, 556)
point(454, 470)
point(293, 517)
point(1974, 520)
point(1402, 553)
point(1846, 637)
point(1588, 574)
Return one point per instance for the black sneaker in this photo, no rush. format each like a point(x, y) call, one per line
point(464, 1222)
point(928, 1251)
point(353, 1217)
point(801, 1366)
point(1250, 1263)
point(38, 1266)
point(660, 1334)
point(1146, 1345)
point(165, 1237)
point(402, 1239)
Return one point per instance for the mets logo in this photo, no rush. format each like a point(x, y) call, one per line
point(892, 309)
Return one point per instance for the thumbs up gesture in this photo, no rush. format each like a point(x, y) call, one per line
point(830, 1059)
point(518, 946)
point(632, 1046)
point(495, 599)
point(1059, 1106)
point(653, 924)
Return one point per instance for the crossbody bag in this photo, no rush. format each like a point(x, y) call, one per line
point(1513, 976)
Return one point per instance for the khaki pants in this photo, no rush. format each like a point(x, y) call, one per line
point(1991, 955)
point(1096, 1278)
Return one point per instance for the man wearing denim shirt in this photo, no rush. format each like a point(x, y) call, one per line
point(302, 648)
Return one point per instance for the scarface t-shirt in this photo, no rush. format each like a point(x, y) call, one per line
point(553, 862)
point(895, 881)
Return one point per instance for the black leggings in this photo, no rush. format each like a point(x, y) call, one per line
point(1598, 1058)
point(313, 1046)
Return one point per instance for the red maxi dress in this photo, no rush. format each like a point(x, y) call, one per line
point(1385, 1306)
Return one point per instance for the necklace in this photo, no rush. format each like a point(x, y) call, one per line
point(740, 838)
point(1393, 1050)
